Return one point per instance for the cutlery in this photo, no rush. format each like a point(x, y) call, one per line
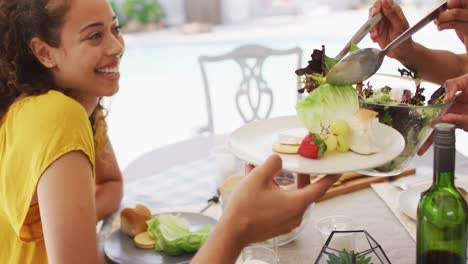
point(359, 35)
point(211, 201)
point(362, 64)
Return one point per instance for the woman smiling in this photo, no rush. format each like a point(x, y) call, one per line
point(58, 172)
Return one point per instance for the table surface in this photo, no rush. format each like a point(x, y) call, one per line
point(193, 183)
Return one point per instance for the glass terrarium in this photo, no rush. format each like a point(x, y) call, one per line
point(365, 250)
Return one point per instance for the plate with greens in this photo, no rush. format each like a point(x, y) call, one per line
point(337, 135)
point(253, 143)
point(120, 248)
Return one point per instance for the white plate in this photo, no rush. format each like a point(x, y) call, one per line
point(409, 198)
point(253, 143)
point(120, 248)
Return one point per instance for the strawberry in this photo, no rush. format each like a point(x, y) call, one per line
point(307, 139)
point(312, 147)
point(308, 150)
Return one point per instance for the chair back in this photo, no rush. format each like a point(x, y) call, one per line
point(254, 98)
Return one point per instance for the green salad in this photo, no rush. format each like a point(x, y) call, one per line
point(409, 113)
point(324, 102)
point(173, 236)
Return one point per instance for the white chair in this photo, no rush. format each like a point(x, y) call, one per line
point(163, 158)
point(254, 98)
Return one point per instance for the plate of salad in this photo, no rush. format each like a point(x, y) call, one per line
point(337, 134)
point(180, 234)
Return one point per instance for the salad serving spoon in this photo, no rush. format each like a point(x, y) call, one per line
point(362, 64)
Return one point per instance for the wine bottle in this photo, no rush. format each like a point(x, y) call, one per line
point(442, 227)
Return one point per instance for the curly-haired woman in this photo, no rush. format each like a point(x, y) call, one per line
point(58, 58)
point(58, 173)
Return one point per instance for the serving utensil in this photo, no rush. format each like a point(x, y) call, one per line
point(362, 64)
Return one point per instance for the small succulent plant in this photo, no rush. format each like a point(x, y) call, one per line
point(345, 257)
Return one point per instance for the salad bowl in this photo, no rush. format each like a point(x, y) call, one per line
point(414, 121)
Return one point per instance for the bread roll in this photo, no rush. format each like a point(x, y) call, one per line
point(143, 211)
point(133, 220)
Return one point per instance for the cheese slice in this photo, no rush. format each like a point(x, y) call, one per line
point(292, 136)
point(285, 149)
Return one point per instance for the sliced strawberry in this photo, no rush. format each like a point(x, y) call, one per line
point(312, 147)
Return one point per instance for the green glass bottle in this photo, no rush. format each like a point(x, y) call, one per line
point(442, 228)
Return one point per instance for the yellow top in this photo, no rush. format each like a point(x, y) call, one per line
point(35, 132)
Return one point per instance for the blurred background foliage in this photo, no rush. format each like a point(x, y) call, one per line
point(141, 11)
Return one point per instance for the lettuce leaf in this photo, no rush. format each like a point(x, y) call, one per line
point(353, 47)
point(330, 62)
point(317, 68)
point(173, 236)
point(325, 104)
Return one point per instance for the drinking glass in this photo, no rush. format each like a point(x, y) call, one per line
point(259, 255)
point(328, 224)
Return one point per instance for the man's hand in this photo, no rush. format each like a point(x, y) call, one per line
point(393, 24)
point(456, 17)
point(457, 93)
point(263, 210)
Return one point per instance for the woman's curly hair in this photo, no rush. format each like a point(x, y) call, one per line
point(20, 71)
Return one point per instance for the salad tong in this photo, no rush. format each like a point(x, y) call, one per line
point(362, 64)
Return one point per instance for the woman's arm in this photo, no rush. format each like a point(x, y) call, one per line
point(108, 182)
point(66, 201)
point(432, 65)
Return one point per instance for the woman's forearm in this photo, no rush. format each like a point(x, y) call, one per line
point(434, 65)
point(108, 198)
